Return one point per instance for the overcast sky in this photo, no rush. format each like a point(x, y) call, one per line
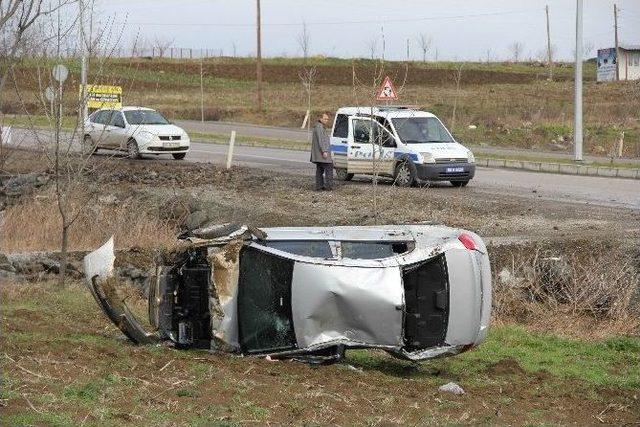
point(460, 29)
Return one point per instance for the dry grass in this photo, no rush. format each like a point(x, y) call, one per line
point(579, 295)
point(34, 225)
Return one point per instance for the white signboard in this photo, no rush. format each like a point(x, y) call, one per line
point(607, 63)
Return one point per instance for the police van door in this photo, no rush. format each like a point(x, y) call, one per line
point(371, 148)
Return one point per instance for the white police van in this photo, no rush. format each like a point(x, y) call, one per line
point(409, 145)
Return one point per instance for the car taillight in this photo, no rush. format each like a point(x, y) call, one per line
point(467, 241)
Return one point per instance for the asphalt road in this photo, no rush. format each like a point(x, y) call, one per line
point(612, 192)
point(300, 135)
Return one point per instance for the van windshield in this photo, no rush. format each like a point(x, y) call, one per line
point(420, 130)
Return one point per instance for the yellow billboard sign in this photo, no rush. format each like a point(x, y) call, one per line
point(101, 96)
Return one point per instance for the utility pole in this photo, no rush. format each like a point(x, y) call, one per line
point(201, 89)
point(259, 55)
point(407, 50)
point(577, 128)
point(82, 111)
point(615, 26)
point(550, 59)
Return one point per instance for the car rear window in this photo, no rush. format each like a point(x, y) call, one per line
point(341, 128)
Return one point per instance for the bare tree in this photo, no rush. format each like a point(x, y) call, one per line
point(307, 77)
point(372, 47)
point(424, 42)
point(304, 41)
point(515, 49)
point(162, 45)
point(588, 48)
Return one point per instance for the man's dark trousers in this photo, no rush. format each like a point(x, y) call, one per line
point(324, 176)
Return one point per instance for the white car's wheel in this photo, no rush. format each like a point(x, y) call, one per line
point(132, 149)
point(88, 146)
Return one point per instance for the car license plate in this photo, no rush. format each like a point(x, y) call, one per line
point(450, 170)
point(170, 144)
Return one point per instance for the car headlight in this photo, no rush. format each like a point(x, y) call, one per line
point(185, 137)
point(470, 157)
point(428, 158)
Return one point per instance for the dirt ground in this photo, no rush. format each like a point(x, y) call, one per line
point(65, 364)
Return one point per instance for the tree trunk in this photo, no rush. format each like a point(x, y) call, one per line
point(63, 255)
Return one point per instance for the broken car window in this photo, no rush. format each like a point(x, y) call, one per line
point(373, 250)
point(264, 302)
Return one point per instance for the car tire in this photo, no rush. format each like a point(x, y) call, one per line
point(88, 146)
point(459, 183)
point(179, 156)
point(405, 174)
point(343, 175)
point(132, 149)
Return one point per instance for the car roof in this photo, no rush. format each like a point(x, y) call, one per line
point(385, 111)
point(127, 108)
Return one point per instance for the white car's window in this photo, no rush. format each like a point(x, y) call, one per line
point(145, 117)
point(116, 119)
point(373, 250)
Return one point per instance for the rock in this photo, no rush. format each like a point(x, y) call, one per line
point(472, 127)
point(50, 266)
point(5, 264)
point(24, 183)
point(196, 219)
point(451, 388)
point(108, 199)
point(508, 279)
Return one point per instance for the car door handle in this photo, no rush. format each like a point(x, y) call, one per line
point(344, 141)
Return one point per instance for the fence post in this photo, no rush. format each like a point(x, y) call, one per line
point(232, 141)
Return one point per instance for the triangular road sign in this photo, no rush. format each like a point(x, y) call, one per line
point(387, 92)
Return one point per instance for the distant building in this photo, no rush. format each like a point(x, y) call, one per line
point(628, 65)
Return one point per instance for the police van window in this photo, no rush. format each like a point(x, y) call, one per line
point(362, 130)
point(341, 128)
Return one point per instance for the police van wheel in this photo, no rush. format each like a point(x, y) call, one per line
point(342, 175)
point(405, 175)
point(459, 183)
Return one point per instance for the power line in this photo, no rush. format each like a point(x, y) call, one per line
point(377, 21)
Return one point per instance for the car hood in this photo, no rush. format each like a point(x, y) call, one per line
point(441, 150)
point(158, 129)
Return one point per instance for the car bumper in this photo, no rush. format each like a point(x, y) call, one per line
point(160, 148)
point(446, 171)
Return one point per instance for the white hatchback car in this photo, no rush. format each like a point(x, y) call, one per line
point(137, 130)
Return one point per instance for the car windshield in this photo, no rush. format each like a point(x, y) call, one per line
point(145, 117)
point(419, 130)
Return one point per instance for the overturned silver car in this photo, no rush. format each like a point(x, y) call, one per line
point(416, 291)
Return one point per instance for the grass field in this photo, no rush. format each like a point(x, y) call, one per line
point(64, 364)
point(512, 105)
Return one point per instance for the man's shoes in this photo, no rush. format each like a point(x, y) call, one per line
point(328, 189)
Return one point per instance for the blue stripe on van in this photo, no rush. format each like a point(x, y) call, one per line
point(412, 156)
point(339, 148)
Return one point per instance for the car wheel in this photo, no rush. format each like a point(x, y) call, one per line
point(459, 183)
point(88, 146)
point(132, 149)
point(179, 156)
point(405, 174)
point(342, 175)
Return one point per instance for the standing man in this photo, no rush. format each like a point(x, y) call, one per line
point(321, 155)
